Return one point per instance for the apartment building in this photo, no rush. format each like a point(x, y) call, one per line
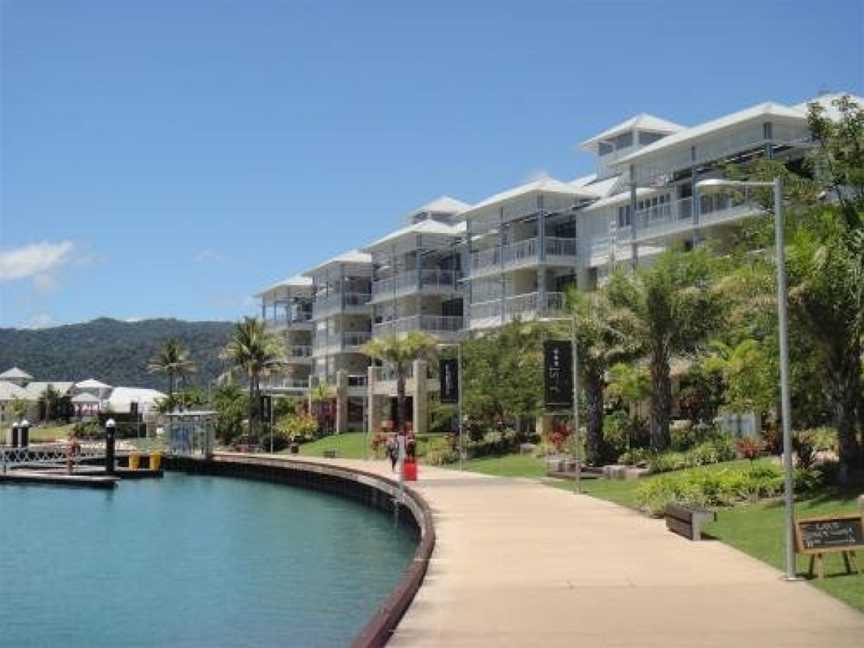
point(456, 269)
point(286, 310)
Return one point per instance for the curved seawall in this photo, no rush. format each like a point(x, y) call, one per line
point(371, 489)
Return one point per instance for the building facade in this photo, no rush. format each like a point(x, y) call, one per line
point(456, 270)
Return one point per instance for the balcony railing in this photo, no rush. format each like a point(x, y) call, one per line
point(404, 283)
point(285, 384)
point(436, 324)
point(349, 341)
point(525, 306)
point(520, 253)
point(299, 351)
point(287, 319)
point(340, 302)
point(675, 217)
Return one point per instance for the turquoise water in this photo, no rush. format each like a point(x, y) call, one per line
point(191, 561)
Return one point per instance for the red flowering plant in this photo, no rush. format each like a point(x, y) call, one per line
point(749, 448)
point(559, 435)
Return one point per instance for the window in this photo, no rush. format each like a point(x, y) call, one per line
point(624, 140)
point(624, 216)
point(604, 148)
point(649, 138)
point(767, 131)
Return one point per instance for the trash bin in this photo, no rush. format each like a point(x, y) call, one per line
point(134, 461)
point(155, 460)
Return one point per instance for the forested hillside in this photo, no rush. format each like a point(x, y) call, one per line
point(112, 351)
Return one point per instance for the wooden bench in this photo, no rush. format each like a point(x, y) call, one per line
point(330, 454)
point(687, 521)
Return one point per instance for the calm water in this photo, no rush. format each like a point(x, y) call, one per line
point(191, 561)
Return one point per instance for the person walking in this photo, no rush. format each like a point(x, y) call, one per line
point(392, 452)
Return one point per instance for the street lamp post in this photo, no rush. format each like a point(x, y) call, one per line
point(782, 321)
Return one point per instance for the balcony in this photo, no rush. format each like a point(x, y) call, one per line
point(678, 217)
point(349, 302)
point(527, 306)
point(432, 282)
point(526, 253)
point(301, 320)
point(285, 384)
point(298, 353)
point(442, 326)
point(346, 342)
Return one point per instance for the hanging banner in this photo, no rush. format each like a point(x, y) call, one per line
point(557, 374)
point(266, 407)
point(448, 375)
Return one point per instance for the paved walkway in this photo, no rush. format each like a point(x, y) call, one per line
point(518, 563)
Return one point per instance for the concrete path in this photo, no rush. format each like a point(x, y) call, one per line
point(518, 563)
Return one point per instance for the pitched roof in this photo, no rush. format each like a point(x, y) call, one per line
point(642, 121)
point(9, 391)
point(121, 397)
point(37, 388)
point(352, 256)
point(445, 204)
point(423, 227)
point(544, 185)
point(760, 110)
point(85, 398)
point(92, 383)
point(297, 280)
point(15, 373)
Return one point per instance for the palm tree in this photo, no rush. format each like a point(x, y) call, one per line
point(398, 352)
point(174, 361)
point(320, 393)
point(253, 352)
point(600, 345)
point(668, 308)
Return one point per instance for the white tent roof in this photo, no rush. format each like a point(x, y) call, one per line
point(759, 111)
point(15, 374)
point(10, 391)
point(85, 398)
point(36, 389)
point(121, 397)
point(642, 122)
point(352, 256)
point(91, 383)
point(544, 185)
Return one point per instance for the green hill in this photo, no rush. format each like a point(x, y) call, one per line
point(112, 351)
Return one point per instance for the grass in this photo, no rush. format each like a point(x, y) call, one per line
point(350, 445)
point(46, 433)
point(512, 465)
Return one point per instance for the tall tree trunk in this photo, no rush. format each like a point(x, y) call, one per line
point(400, 399)
point(661, 399)
point(171, 390)
point(594, 405)
point(845, 393)
point(251, 403)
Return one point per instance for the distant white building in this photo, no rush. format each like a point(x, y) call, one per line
point(121, 399)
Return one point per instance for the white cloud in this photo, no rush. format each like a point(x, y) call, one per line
point(37, 260)
point(535, 175)
point(40, 321)
point(208, 255)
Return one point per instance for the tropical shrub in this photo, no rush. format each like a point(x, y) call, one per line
point(749, 448)
point(298, 427)
point(439, 451)
point(636, 457)
point(714, 451)
point(559, 435)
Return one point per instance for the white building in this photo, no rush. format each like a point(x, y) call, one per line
point(457, 269)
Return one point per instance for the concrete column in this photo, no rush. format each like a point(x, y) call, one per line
point(634, 247)
point(312, 382)
point(420, 398)
point(341, 401)
point(373, 417)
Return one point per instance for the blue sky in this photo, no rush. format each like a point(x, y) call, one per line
point(168, 158)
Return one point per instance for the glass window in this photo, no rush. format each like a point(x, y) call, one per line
point(767, 131)
point(624, 140)
point(604, 148)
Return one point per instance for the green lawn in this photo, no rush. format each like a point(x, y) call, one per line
point(46, 433)
point(512, 465)
point(348, 446)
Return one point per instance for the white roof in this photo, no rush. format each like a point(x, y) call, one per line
point(826, 102)
point(121, 397)
point(85, 398)
point(36, 389)
point(91, 383)
point(544, 185)
point(619, 198)
point(297, 280)
point(762, 110)
point(600, 188)
point(642, 122)
point(15, 373)
point(423, 227)
point(352, 256)
point(10, 391)
point(444, 204)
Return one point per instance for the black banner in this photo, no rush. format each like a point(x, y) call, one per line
point(448, 374)
point(266, 407)
point(557, 374)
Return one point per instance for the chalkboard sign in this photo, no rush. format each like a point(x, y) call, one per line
point(829, 534)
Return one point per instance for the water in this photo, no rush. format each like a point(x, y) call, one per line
point(191, 561)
